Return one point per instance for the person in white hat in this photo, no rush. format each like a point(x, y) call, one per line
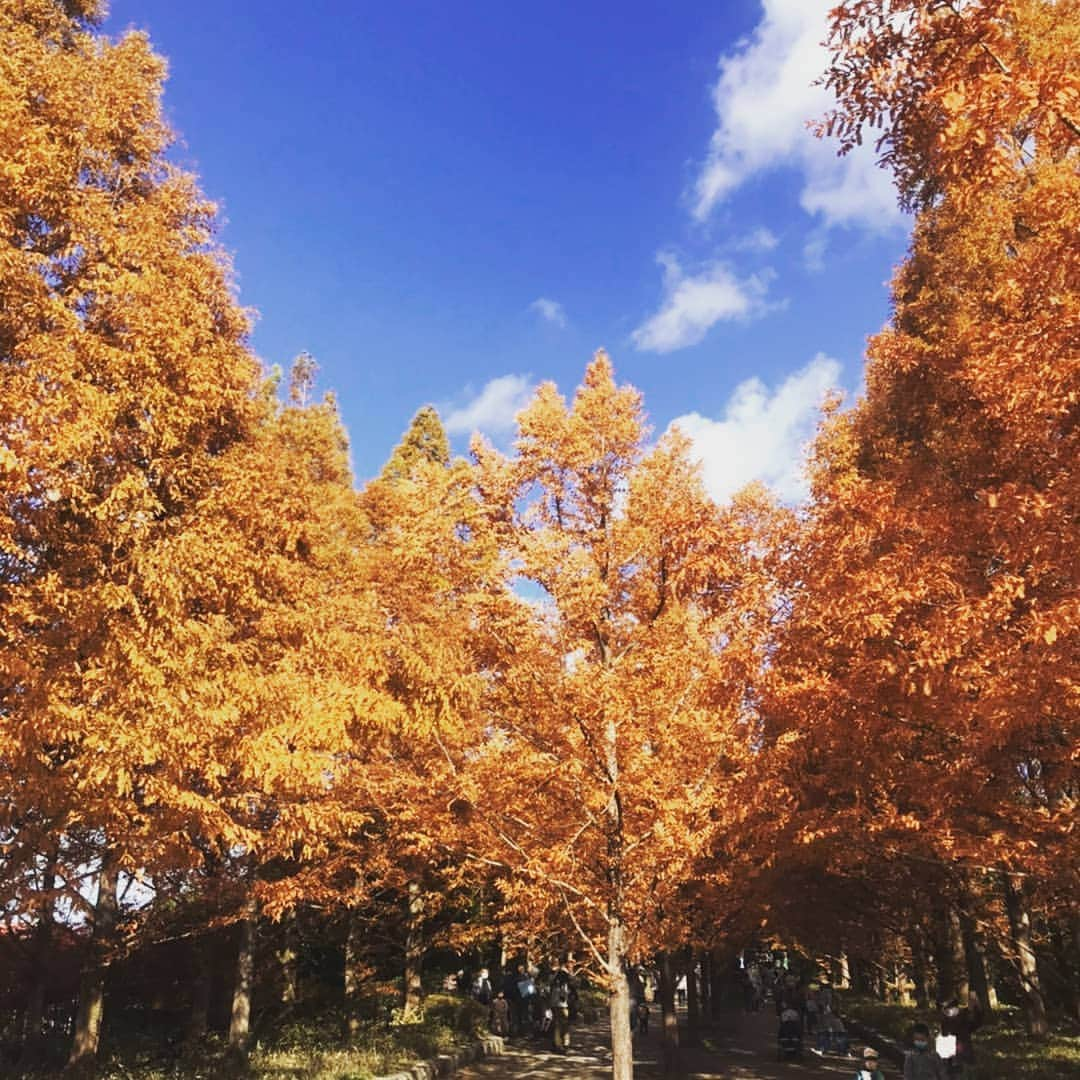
point(870, 1070)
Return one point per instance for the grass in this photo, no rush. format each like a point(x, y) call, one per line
point(1003, 1049)
point(313, 1049)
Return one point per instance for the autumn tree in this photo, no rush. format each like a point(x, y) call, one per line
point(933, 602)
point(124, 377)
point(285, 677)
point(430, 555)
point(184, 636)
point(618, 653)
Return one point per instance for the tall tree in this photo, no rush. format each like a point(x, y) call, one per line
point(185, 636)
point(620, 647)
point(933, 603)
point(124, 378)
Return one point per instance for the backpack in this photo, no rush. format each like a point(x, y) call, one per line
point(560, 995)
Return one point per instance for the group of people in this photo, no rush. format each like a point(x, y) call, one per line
point(950, 1056)
point(529, 1002)
point(811, 1011)
point(953, 1053)
point(525, 1004)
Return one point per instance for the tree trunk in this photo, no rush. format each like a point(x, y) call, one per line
point(669, 1018)
point(622, 1047)
point(1074, 957)
point(1066, 974)
point(91, 1007)
point(240, 1024)
point(844, 972)
point(693, 1005)
point(413, 996)
point(622, 1051)
point(961, 988)
point(975, 952)
point(354, 951)
point(34, 1016)
point(1026, 965)
point(1072, 929)
point(948, 958)
point(202, 984)
point(716, 985)
point(900, 979)
point(920, 974)
point(706, 986)
point(287, 962)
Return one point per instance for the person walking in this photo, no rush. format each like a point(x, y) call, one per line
point(825, 996)
point(961, 1024)
point(559, 1001)
point(832, 1037)
point(811, 1008)
point(870, 1070)
point(500, 1015)
point(921, 1062)
point(757, 987)
point(508, 989)
point(524, 999)
point(482, 987)
point(643, 1017)
point(790, 996)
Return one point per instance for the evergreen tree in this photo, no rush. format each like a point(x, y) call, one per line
point(425, 440)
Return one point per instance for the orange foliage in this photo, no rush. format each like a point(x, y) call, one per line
point(124, 381)
point(927, 673)
point(628, 627)
point(966, 95)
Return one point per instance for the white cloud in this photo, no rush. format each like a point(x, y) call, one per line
point(549, 310)
point(814, 251)
point(493, 409)
point(762, 434)
point(764, 96)
point(693, 304)
point(761, 239)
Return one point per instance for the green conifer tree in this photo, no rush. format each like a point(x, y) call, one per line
point(425, 440)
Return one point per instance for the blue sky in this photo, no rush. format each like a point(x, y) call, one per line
point(451, 202)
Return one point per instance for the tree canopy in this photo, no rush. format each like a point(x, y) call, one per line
point(554, 694)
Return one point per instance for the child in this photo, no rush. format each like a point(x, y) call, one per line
point(831, 1036)
point(921, 1062)
point(500, 1015)
point(870, 1070)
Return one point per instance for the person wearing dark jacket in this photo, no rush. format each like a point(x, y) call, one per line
point(921, 1061)
point(962, 1024)
point(482, 988)
point(512, 995)
point(790, 996)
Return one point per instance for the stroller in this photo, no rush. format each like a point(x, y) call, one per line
point(789, 1042)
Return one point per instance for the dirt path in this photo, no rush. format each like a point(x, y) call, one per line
point(743, 1047)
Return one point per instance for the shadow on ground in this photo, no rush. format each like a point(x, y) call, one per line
point(742, 1047)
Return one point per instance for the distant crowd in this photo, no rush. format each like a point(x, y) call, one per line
point(545, 1002)
point(526, 1001)
point(810, 1012)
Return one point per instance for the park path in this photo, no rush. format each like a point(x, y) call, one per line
point(741, 1047)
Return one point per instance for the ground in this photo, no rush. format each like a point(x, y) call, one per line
point(742, 1047)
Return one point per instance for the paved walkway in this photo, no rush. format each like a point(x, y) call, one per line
point(742, 1047)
